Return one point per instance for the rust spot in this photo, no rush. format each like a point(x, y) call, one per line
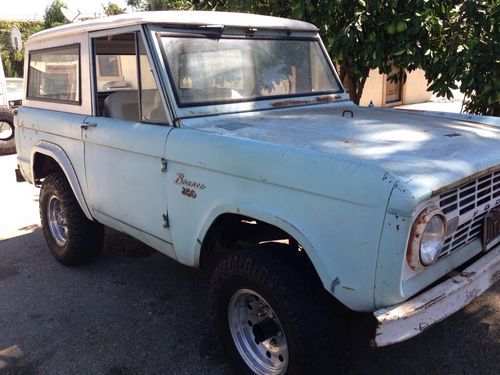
point(318, 99)
point(397, 227)
point(453, 135)
point(432, 302)
point(467, 274)
point(348, 288)
point(412, 252)
point(289, 102)
point(347, 141)
point(466, 179)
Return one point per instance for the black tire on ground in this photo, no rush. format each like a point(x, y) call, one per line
point(7, 146)
point(312, 321)
point(75, 239)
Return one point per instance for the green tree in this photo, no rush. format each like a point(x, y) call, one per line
point(112, 9)
point(53, 15)
point(13, 61)
point(277, 8)
point(468, 51)
point(149, 5)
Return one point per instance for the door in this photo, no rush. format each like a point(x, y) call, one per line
point(125, 141)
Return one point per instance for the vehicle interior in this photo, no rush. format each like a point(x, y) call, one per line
point(125, 85)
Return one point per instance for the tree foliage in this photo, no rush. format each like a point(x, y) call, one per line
point(53, 15)
point(112, 9)
point(13, 61)
point(149, 5)
point(467, 50)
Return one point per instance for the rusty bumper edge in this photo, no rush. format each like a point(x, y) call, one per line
point(401, 322)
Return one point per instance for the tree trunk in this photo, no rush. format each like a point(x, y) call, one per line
point(355, 89)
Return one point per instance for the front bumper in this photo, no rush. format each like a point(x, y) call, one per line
point(401, 322)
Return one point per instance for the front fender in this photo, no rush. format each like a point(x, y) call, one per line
point(267, 218)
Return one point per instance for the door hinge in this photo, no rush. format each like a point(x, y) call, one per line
point(164, 163)
point(166, 223)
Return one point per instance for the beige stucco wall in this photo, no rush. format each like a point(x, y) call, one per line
point(374, 89)
point(414, 89)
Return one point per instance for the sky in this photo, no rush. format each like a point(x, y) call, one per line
point(35, 9)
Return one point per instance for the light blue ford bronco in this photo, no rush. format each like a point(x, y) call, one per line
point(226, 141)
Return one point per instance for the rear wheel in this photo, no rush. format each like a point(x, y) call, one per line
point(272, 315)
point(7, 131)
point(72, 238)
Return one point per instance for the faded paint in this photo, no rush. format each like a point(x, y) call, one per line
point(472, 177)
point(401, 322)
point(316, 100)
point(346, 188)
point(407, 146)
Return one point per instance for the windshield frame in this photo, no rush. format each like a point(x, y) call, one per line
point(248, 103)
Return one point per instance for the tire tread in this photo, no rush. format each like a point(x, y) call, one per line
point(312, 314)
point(85, 237)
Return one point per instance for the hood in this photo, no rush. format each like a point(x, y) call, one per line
point(425, 152)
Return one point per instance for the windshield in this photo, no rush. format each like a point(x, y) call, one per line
point(210, 71)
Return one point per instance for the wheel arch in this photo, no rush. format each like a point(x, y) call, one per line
point(45, 156)
point(205, 236)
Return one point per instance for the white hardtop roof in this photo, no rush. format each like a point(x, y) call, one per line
point(177, 18)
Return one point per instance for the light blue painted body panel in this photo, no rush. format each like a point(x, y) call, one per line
point(124, 179)
point(425, 152)
point(355, 165)
point(303, 192)
point(60, 128)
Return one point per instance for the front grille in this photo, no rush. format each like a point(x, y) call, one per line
point(468, 204)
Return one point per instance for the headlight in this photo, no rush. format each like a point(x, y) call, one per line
point(427, 238)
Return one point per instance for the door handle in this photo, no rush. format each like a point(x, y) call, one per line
point(86, 125)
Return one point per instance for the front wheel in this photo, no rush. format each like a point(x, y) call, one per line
point(72, 238)
point(271, 314)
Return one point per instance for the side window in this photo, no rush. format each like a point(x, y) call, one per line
point(125, 85)
point(54, 74)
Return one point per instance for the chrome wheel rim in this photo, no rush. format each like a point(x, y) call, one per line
point(56, 218)
point(248, 313)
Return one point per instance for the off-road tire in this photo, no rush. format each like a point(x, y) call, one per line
point(313, 322)
point(84, 237)
point(9, 146)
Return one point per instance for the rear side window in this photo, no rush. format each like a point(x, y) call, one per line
point(54, 74)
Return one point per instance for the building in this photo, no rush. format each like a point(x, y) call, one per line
point(384, 93)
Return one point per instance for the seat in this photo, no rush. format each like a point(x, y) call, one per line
point(123, 105)
point(152, 106)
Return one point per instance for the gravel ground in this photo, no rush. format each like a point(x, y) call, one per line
point(134, 311)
